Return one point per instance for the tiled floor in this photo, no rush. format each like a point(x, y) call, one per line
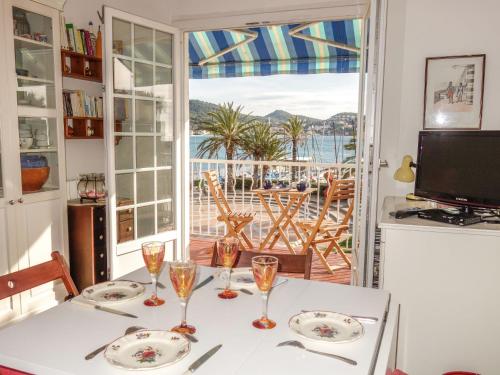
point(201, 253)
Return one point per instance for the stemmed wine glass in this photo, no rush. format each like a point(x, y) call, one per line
point(153, 254)
point(182, 275)
point(264, 269)
point(227, 250)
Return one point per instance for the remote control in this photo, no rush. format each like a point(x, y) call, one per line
point(401, 214)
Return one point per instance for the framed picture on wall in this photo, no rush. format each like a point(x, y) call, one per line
point(453, 96)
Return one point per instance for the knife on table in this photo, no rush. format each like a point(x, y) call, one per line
point(204, 282)
point(205, 357)
point(102, 308)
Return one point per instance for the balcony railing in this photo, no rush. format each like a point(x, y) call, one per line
point(248, 175)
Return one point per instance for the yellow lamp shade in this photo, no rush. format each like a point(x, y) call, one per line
point(405, 173)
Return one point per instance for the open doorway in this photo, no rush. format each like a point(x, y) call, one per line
point(274, 105)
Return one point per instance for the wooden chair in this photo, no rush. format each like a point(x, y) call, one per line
point(287, 263)
point(325, 231)
point(235, 221)
point(20, 281)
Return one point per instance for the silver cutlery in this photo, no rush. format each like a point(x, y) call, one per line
point(160, 285)
point(278, 284)
point(242, 290)
point(204, 282)
point(298, 344)
point(205, 357)
point(102, 308)
point(128, 331)
point(190, 337)
point(361, 318)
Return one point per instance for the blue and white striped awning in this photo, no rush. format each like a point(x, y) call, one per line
point(321, 47)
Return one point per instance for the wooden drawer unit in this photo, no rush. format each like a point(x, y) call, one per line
point(87, 243)
point(125, 225)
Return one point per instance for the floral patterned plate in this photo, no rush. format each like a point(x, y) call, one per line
point(111, 292)
point(240, 278)
point(147, 349)
point(326, 326)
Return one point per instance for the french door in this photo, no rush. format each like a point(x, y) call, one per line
point(367, 148)
point(142, 99)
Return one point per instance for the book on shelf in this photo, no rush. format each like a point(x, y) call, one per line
point(81, 40)
point(78, 104)
point(63, 32)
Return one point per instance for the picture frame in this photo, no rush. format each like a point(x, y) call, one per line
point(453, 95)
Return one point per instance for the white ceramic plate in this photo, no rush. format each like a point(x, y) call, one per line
point(146, 350)
point(240, 278)
point(111, 292)
point(326, 326)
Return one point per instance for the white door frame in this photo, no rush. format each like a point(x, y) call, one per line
point(130, 249)
point(291, 15)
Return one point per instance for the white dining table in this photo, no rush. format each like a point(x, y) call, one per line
point(55, 341)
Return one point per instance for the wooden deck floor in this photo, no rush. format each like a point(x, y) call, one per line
point(201, 253)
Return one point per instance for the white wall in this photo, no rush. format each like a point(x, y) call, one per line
point(423, 28)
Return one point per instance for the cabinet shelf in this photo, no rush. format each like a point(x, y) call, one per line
point(29, 43)
point(79, 66)
point(34, 79)
point(38, 150)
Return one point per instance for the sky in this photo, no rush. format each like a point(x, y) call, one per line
point(314, 95)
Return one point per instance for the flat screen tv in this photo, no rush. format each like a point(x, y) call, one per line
point(459, 167)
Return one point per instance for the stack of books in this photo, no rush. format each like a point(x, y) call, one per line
point(80, 40)
point(78, 104)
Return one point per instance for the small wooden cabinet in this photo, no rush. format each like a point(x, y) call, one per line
point(87, 243)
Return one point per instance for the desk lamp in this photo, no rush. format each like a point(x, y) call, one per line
point(405, 174)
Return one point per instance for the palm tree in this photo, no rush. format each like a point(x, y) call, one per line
point(295, 133)
point(261, 143)
point(225, 127)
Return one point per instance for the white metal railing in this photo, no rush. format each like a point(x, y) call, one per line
point(248, 175)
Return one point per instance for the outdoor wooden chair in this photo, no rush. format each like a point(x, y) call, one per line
point(235, 221)
point(325, 231)
point(28, 278)
point(287, 263)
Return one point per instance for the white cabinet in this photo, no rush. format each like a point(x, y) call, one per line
point(447, 283)
point(32, 169)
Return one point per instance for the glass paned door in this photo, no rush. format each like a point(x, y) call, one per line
point(141, 98)
point(34, 58)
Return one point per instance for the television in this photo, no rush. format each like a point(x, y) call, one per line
point(459, 167)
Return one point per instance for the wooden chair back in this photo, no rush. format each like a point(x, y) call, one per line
point(217, 193)
point(20, 281)
point(287, 263)
point(337, 191)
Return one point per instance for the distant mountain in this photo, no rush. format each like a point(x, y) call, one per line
point(199, 111)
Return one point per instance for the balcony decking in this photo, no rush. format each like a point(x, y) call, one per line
point(201, 253)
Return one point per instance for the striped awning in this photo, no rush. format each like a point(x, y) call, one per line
point(285, 49)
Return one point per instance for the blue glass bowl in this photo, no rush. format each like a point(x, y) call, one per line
point(33, 161)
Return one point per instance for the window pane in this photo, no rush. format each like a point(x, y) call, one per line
point(163, 48)
point(164, 184)
point(122, 76)
point(163, 152)
point(165, 119)
point(143, 43)
point(144, 152)
point(123, 115)
point(144, 116)
point(125, 188)
point(143, 79)
point(124, 155)
point(122, 37)
point(163, 83)
point(145, 187)
point(165, 217)
point(145, 221)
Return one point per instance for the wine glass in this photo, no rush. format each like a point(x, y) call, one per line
point(182, 275)
point(153, 254)
point(227, 250)
point(264, 269)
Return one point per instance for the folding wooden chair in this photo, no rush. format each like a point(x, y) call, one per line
point(28, 278)
point(326, 231)
point(235, 221)
point(287, 263)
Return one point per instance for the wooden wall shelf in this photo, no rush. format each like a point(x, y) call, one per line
point(85, 67)
point(81, 126)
